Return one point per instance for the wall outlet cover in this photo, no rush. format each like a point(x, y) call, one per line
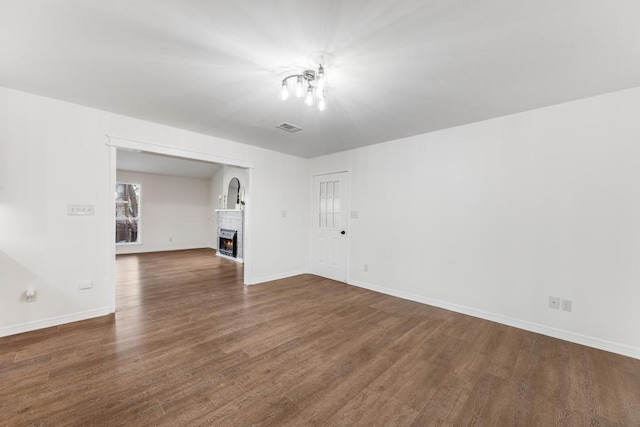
point(554, 303)
point(85, 284)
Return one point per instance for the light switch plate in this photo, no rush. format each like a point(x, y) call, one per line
point(80, 209)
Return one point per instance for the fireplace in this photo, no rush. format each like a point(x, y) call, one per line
point(228, 242)
point(230, 234)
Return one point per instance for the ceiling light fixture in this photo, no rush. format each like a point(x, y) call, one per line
point(313, 81)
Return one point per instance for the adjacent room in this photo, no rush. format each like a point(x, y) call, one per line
point(394, 213)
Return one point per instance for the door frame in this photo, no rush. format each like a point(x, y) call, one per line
point(346, 206)
point(114, 143)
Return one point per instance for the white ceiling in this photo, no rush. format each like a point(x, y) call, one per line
point(399, 68)
point(164, 165)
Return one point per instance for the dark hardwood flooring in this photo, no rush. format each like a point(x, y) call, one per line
point(190, 345)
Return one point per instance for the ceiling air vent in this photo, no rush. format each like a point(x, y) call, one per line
point(288, 127)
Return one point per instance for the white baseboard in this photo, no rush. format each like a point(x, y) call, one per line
point(138, 249)
point(278, 276)
point(52, 321)
point(589, 341)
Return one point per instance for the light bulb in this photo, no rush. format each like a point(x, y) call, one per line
point(299, 88)
point(321, 81)
point(320, 88)
point(284, 91)
point(309, 99)
point(322, 104)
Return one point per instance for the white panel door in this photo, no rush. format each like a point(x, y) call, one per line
point(329, 226)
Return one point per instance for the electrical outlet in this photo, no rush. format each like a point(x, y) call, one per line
point(566, 305)
point(30, 295)
point(85, 284)
point(554, 302)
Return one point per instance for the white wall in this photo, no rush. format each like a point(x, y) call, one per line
point(216, 190)
point(291, 231)
point(176, 212)
point(498, 215)
point(54, 153)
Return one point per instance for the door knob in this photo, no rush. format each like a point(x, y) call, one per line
point(343, 232)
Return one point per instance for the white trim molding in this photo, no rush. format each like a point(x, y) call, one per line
point(131, 249)
point(151, 147)
point(509, 321)
point(53, 321)
point(278, 276)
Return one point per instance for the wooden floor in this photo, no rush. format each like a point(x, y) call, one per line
point(190, 345)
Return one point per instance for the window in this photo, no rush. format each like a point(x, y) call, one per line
point(127, 213)
point(329, 204)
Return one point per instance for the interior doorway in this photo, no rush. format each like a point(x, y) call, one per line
point(120, 145)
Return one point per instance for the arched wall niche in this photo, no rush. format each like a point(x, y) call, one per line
point(233, 193)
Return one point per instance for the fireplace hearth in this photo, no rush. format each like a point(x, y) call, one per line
point(228, 242)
